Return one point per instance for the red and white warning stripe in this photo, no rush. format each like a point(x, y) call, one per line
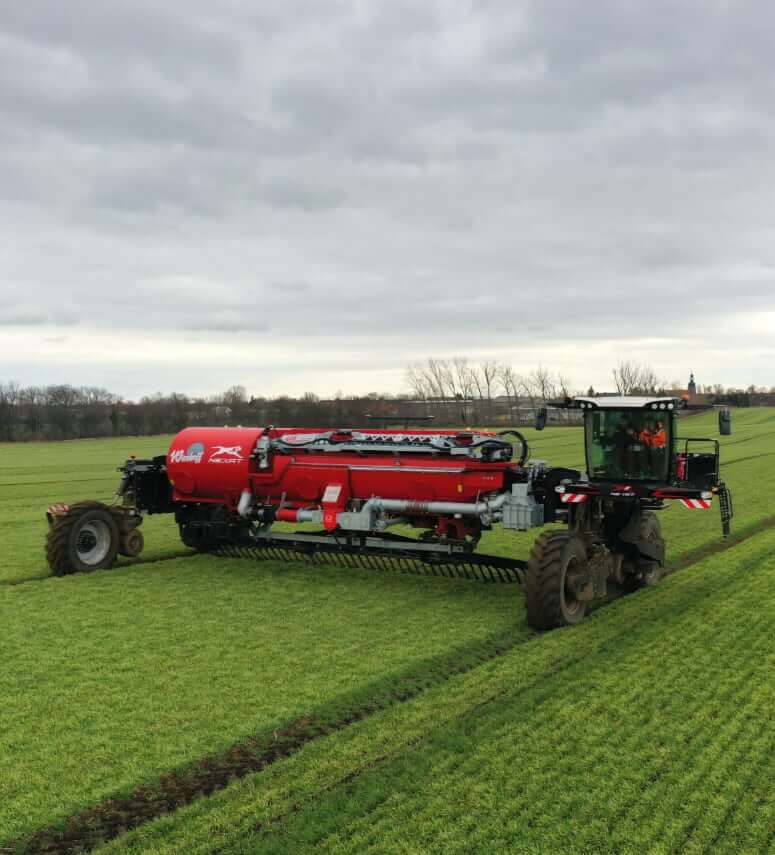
point(573, 498)
point(696, 504)
point(58, 509)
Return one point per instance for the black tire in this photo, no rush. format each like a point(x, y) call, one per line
point(646, 574)
point(84, 539)
point(193, 537)
point(131, 544)
point(549, 602)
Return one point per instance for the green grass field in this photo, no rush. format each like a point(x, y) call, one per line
point(443, 723)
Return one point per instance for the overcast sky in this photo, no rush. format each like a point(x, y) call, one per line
point(309, 195)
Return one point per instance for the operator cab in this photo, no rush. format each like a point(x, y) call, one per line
point(628, 438)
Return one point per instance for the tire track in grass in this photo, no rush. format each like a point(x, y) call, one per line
point(725, 465)
point(649, 670)
point(568, 753)
point(173, 790)
point(713, 548)
point(129, 562)
point(112, 817)
point(215, 772)
point(531, 700)
point(203, 821)
point(97, 479)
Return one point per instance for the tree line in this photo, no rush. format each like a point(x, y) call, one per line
point(74, 412)
point(453, 391)
point(477, 386)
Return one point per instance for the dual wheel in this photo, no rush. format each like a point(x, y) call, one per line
point(557, 570)
point(89, 537)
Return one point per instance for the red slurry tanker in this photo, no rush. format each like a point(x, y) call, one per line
point(228, 487)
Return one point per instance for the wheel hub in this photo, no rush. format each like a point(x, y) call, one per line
point(573, 588)
point(93, 542)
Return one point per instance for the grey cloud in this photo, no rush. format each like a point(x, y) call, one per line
point(386, 180)
point(288, 194)
point(22, 317)
point(121, 28)
point(228, 321)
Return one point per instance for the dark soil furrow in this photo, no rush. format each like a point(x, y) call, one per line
point(173, 790)
point(132, 562)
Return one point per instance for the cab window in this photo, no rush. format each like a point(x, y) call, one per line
point(627, 444)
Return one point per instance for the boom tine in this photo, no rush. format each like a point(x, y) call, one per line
point(472, 566)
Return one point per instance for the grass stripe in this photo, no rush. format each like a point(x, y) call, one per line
point(536, 662)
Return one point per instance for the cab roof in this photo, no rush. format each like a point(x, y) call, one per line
point(626, 402)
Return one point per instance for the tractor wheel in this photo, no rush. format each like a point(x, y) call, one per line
point(84, 539)
point(193, 537)
point(131, 544)
point(647, 573)
point(555, 558)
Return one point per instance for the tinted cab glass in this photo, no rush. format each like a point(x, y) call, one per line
point(627, 444)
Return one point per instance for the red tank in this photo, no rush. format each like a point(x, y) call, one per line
point(307, 467)
point(210, 464)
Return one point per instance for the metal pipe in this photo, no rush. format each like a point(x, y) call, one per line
point(411, 508)
point(298, 515)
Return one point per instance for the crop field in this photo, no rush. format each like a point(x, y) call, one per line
point(189, 703)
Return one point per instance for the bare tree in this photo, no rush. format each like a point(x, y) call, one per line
point(543, 382)
point(633, 377)
point(9, 398)
point(527, 388)
point(463, 383)
point(563, 386)
point(489, 375)
point(440, 378)
point(418, 382)
point(508, 380)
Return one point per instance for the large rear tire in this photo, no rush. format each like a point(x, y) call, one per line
point(555, 558)
point(84, 539)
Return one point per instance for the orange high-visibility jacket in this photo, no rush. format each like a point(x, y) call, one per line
point(653, 439)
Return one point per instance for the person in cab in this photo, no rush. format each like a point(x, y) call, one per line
point(654, 439)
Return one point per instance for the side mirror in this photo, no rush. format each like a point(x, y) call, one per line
point(725, 422)
point(542, 415)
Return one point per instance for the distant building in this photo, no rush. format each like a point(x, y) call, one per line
point(690, 393)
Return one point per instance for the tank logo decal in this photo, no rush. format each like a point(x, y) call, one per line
point(225, 454)
point(193, 454)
